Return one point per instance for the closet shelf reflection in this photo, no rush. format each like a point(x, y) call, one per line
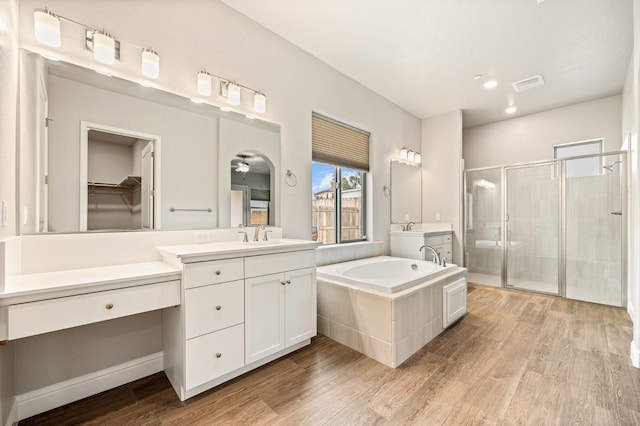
point(129, 182)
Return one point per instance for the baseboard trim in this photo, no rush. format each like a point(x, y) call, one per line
point(635, 355)
point(12, 417)
point(631, 310)
point(49, 397)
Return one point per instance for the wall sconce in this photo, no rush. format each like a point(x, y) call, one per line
point(404, 152)
point(150, 63)
point(105, 47)
point(233, 94)
point(411, 157)
point(418, 158)
point(204, 83)
point(259, 103)
point(47, 27)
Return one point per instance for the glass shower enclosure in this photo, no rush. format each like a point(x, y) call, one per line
point(555, 227)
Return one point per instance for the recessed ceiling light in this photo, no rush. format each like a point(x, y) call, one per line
point(490, 84)
point(197, 101)
point(225, 108)
point(477, 76)
point(511, 110)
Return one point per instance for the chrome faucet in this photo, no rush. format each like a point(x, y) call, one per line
point(408, 226)
point(256, 236)
point(436, 256)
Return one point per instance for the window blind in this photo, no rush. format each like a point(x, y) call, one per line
point(339, 144)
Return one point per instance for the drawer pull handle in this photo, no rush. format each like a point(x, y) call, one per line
point(109, 305)
point(282, 282)
point(218, 272)
point(218, 355)
point(218, 307)
point(288, 281)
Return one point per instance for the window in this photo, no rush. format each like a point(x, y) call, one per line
point(340, 164)
point(589, 166)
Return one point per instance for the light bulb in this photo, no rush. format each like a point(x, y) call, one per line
point(233, 94)
point(260, 103)
point(104, 47)
point(204, 83)
point(47, 27)
point(150, 63)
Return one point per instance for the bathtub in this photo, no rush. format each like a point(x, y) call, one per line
point(384, 274)
point(387, 307)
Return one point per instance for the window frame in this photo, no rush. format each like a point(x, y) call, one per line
point(595, 141)
point(337, 194)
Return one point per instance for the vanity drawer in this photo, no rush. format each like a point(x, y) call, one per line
point(214, 355)
point(214, 272)
point(274, 263)
point(447, 238)
point(446, 250)
point(214, 307)
point(433, 240)
point(28, 319)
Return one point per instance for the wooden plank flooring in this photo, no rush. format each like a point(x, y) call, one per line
point(516, 358)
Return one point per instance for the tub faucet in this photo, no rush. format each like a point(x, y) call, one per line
point(436, 256)
point(256, 236)
point(408, 226)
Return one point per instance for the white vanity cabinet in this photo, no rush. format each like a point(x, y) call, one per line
point(280, 307)
point(238, 313)
point(407, 244)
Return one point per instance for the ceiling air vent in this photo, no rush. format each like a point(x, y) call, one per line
point(528, 83)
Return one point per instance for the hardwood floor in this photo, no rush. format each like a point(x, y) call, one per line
point(516, 358)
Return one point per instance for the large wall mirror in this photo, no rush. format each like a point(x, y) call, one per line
point(99, 153)
point(406, 192)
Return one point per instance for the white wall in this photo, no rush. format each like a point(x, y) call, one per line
point(189, 148)
point(634, 167)
point(531, 138)
point(8, 113)
point(295, 83)
point(108, 162)
point(442, 174)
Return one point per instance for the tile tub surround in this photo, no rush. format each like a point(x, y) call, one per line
point(386, 327)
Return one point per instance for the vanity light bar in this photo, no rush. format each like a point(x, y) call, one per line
point(410, 157)
point(105, 47)
point(232, 91)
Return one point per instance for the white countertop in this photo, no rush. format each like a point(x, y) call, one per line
point(47, 285)
point(187, 253)
point(420, 233)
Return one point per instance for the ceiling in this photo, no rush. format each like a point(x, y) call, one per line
point(422, 54)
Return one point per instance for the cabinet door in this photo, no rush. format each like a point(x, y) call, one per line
point(300, 305)
point(264, 316)
point(454, 302)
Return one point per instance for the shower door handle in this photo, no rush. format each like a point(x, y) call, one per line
point(617, 213)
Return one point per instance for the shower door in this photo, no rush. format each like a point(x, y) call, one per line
point(483, 226)
point(532, 227)
point(595, 230)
